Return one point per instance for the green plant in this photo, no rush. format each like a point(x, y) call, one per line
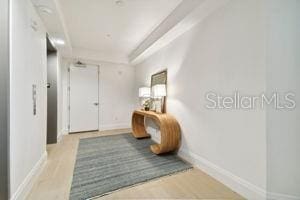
point(147, 104)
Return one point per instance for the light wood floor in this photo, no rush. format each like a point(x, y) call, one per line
point(54, 183)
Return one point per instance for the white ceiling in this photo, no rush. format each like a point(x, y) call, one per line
point(101, 30)
point(112, 29)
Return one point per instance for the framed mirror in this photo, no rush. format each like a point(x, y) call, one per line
point(159, 78)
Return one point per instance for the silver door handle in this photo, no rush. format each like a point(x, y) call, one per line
point(96, 104)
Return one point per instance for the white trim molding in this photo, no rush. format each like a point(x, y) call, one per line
point(25, 187)
point(182, 19)
point(60, 135)
point(278, 196)
point(239, 185)
point(114, 126)
point(88, 54)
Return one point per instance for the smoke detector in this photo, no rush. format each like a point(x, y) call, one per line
point(80, 64)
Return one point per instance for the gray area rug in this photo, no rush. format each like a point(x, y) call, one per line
point(108, 163)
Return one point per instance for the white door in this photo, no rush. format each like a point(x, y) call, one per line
point(84, 88)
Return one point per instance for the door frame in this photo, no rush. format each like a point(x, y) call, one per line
point(4, 100)
point(69, 96)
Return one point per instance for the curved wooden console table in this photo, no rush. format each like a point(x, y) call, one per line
point(169, 129)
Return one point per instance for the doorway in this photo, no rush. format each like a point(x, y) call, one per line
point(84, 98)
point(52, 74)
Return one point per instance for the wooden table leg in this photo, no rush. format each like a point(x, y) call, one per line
point(169, 130)
point(170, 135)
point(138, 126)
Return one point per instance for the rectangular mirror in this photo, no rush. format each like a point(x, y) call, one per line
point(158, 79)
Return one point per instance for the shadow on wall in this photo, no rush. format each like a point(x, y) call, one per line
point(221, 54)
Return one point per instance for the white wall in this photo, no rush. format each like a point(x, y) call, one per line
point(224, 53)
point(60, 97)
point(116, 95)
point(116, 99)
point(64, 97)
point(283, 127)
point(28, 67)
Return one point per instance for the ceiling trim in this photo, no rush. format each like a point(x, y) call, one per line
point(180, 12)
point(62, 20)
point(188, 14)
point(88, 54)
point(70, 60)
point(59, 31)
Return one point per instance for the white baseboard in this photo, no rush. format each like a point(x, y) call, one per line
point(237, 184)
point(59, 137)
point(114, 126)
point(61, 134)
point(278, 196)
point(25, 187)
point(65, 131)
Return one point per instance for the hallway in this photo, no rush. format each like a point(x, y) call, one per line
point(55, 180)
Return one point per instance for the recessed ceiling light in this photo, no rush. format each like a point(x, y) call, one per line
point(45, 9)
point(108, 35)
point(119, 2)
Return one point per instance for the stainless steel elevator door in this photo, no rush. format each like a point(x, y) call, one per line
point(52, 63)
